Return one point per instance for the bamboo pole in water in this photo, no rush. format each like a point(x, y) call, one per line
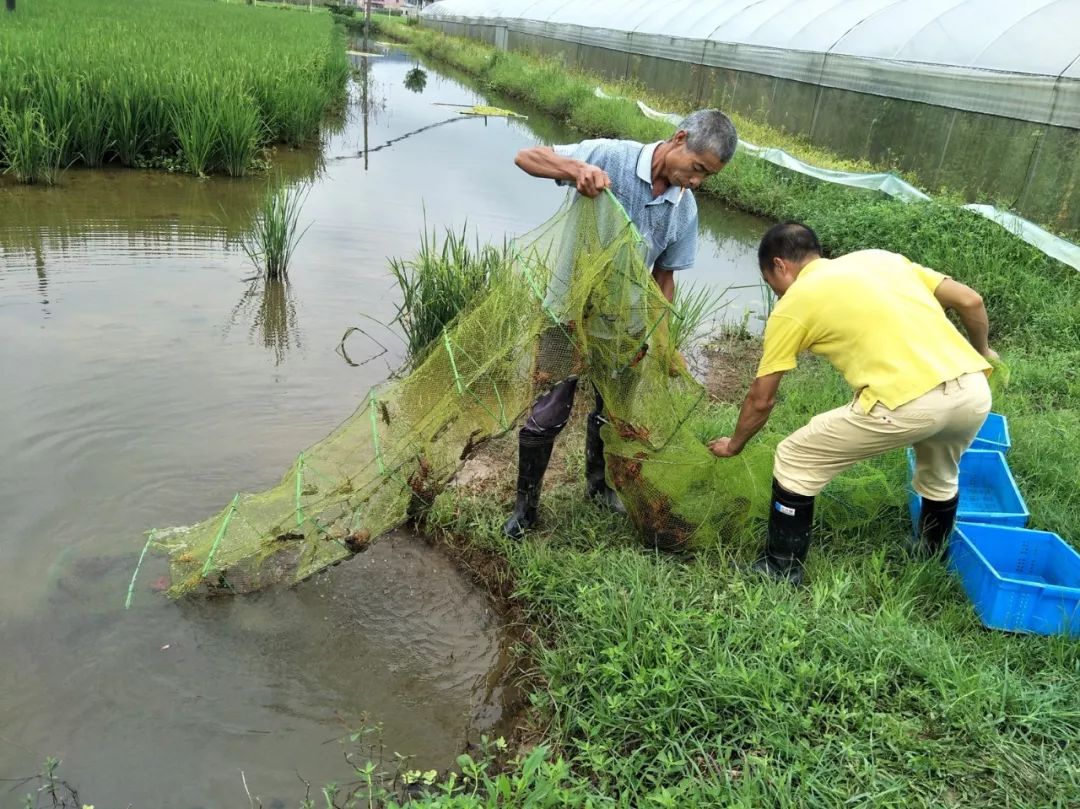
point(367, 23)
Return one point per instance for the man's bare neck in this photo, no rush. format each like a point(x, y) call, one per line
point(660, 183)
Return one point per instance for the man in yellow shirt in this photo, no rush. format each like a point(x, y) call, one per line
point(880, 320)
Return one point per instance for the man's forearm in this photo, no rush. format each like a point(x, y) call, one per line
point(752, 417)
point(977, 325)
point(756, 409)
point(541, 161)
point(968, 305)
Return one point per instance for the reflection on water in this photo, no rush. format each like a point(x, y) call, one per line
point(42, 279)
point(147, 208)
point(268, 307)
point(416, 79)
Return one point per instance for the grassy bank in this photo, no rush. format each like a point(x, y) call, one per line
point(665, 681)
point(186, 84)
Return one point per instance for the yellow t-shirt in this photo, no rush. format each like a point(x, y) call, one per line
point(874, 316)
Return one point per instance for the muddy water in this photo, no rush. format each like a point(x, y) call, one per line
point(145, 381)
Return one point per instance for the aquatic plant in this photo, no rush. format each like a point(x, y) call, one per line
point(275, 233)
point(439, 282)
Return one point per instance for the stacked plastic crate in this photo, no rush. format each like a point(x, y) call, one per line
point(1018, 579)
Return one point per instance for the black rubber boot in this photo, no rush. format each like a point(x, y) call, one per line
point(596, 485)
point(936, 520)
point(791, 517)
point(533, 457)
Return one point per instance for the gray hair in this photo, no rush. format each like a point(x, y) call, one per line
point(710, 131)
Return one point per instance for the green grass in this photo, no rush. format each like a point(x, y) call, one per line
point(156, 82)
point(686, 682)
point(668, 681)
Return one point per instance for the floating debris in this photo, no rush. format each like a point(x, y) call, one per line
point(494, 112)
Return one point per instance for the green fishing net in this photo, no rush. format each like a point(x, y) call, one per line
point(577, 300)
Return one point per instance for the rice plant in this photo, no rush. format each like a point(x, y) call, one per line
point(160, 83)
point(292, 109)
point(195, 119)
point(91, 133)
point(31, 152)
point(692, 307)
point(57, 103)
point(439, 283)
point(134, 118)
point(240, 132)
point(275, 233)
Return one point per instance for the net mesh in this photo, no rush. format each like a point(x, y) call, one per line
point(577, 300)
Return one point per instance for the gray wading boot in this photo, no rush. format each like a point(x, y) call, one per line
point(791, 517)
point(596, 485)
point(533, 457)
point(936, 520)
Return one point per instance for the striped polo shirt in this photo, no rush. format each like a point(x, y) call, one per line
point(669, 223)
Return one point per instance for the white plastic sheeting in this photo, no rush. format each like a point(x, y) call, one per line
point(1014, 58)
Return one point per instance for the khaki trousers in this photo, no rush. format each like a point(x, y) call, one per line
point(940, 425)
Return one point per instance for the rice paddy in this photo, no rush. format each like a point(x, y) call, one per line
point(201, 86)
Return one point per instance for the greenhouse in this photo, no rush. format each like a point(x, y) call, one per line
point(980, 96)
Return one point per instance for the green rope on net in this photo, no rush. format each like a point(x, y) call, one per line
point(135, 575)
point(453, 363)
point(220, 534)
point(299, 488)
point(375, 434)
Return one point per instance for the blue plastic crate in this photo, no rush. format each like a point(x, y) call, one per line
point(1018, 579)
point(994, 434)
point(988, 493)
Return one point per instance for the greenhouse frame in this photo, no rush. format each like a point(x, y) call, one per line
point(978, 96)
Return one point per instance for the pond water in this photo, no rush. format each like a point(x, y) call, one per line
point(146, 381)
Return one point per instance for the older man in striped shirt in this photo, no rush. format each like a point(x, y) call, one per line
point(654, 182)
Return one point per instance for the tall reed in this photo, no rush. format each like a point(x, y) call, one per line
point(275, 233)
